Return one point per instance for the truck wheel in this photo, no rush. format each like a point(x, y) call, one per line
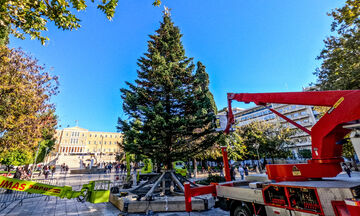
point(241, 211)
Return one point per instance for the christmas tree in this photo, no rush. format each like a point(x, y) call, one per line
point(170, 110)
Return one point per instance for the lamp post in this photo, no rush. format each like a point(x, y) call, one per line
point(33, 168)
point(256, 146)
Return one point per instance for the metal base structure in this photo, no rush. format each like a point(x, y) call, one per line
point(129, 205)
point(161, 193)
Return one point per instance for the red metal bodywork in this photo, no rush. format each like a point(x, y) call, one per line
point(326, 154)
point(287, 197)
point(197, 191)
point(226, 163)
point(191, 192)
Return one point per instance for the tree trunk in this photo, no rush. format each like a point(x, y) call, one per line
point(195, 168)
point(272, 160)
point(354, 163)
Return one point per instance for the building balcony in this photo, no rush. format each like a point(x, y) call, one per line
point(297, 108)
point(295, 118)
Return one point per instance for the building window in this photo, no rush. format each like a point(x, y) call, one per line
point(104, 142)
point(105, 135)
point(110, 142)
point(95, 135)
point(89, 142)
point(110, 136)
point(94, 142)
point(89, 135)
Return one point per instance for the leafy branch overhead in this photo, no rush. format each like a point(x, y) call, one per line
point(340, 67)
point(30, 17)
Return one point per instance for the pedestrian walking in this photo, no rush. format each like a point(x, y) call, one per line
point(18, 173)
point(117, 168)
point(110, 167)
point(246, 170)
point(66, 169)
point(46, 172)
point(122, 168)
point(53, 169)
point(241, 171)
point(232, 173)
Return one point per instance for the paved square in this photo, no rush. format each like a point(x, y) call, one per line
point(54, 206)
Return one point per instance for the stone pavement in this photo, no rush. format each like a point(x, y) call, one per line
point(55, 206)
point(60, 207)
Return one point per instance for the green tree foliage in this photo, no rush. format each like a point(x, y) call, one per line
point(169, 109)
point(120, 157)
point(15, 157)
point(235, 146)
point(340, 69)
point(273, 140)
point(26, 114)
point(47, 142)
point(305, 153)
point(202, 78)
point(30, 17)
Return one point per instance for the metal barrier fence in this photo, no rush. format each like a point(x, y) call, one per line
point(9, 196)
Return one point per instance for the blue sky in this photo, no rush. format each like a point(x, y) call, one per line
point(246, 46)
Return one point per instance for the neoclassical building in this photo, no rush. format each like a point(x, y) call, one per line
point(76, 141)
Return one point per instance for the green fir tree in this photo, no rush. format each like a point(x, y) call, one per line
point(170, 109)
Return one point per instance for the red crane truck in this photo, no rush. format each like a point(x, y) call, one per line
point(297, 189)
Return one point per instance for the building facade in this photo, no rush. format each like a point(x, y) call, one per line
point(82, 143)
point(303, 115)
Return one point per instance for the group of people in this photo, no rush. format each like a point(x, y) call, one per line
point(64, 168)
point(243, 171)
point(119, 167)
point(22, 173)
point(47, 170)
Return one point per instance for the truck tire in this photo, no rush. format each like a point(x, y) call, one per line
point(223, 204)
point(241, 211)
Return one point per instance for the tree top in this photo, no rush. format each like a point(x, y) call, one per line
point(166, 11)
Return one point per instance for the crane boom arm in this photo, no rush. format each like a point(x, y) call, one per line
point(325, 134)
